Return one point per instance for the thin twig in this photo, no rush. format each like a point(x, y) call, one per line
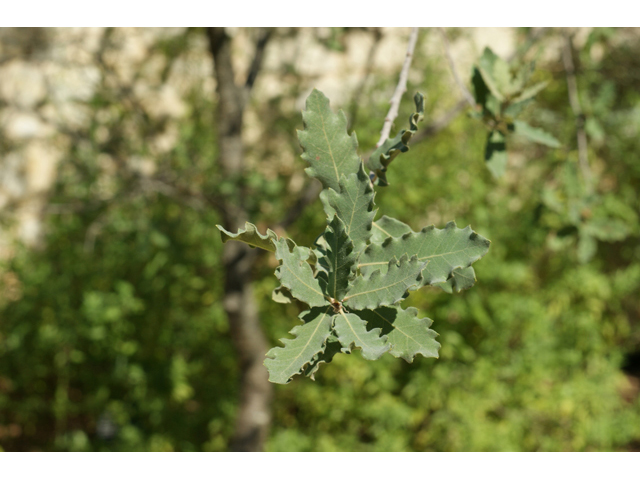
point(574, 100)
point(400, 88)
point(463, 88)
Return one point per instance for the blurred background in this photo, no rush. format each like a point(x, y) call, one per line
point(126, 326)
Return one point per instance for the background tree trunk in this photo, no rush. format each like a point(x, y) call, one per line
point(254, 413)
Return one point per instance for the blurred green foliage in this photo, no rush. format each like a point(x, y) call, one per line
point(118, 339)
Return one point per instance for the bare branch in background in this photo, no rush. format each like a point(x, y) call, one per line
point(574, 100)
point(258, 58)
point(310, 194)
point(463, 88)
point(254, 410)
point(400, 88)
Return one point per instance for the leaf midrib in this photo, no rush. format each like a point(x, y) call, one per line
point(419, 258)
point(387, 287)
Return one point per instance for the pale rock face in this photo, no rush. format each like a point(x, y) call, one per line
point(41, 160)
point(164, 102)
point(500, 39)
point(30, 226)
point(11, 177)
point(21, 125)
point(22, 84)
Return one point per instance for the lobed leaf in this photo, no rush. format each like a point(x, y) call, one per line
point(444, 250)
point(387, 227)
point(379, 161)
point(285, 362)
point(296, 274)
point(251, 237)
point(281, 295)
point(407, 334)
point(460, 279)
point(353, 204)
point(332, 347)
point(339, 262)
point(352, 330)
point(385, 287)
point(328, 148)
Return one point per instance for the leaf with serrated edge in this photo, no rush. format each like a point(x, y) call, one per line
point(353, 204)
point(392, 147)
point(463, 278)
point(444, 250)
point(352, 330)
point(251, 237)
point(328, 148)
point(378, 288)
point(285, 362)
point(339, 262)
point(388, 227)
point(407, 334)
point(332, 347)
point(281, 295)
point(296, 275)
point(460, 279)
point(535, 134)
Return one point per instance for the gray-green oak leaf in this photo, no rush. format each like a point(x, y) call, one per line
point(353, 204)
point(351, 330)
point(443, 249)
point(332, 347)
point(392, 147)
point(386, 285)
point(406, 334)
point(296, 274)
point(328, 148)
point(461, 278)
point(339, 262)
point(251, 237)
point(310, 338)
point(386, 227)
